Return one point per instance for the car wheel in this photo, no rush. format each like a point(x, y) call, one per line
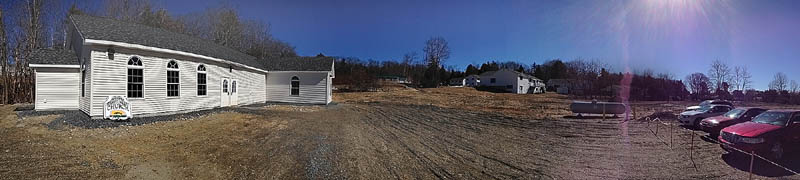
point(777, 151)
point(697, 123)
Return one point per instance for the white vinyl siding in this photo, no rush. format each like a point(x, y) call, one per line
point(57, 88)
point(507, 79)
point(84, 102)
point(313, 87)
point(108, 80)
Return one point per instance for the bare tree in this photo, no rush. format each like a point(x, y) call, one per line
point(666, 76)
point(226, 27)
point(3, 57)
point(408, 60)
point(793, 86)
point(127, 10)
point(27, 40)
point(436, 51)
point(740, 79)
point(744, 78)
point(719, 73)
point(698, 83)
point(779, 82)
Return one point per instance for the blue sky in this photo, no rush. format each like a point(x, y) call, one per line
point(673, 36)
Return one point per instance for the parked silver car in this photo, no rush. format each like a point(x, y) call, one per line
point(693, 117)
point(709, 102)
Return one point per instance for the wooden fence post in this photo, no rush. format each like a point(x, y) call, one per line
point(751, 164)
point(657, 129)
point(604, 112)
point(691, 149)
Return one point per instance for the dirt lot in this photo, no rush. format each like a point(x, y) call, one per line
point(401, 133)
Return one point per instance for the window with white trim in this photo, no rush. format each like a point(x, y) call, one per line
point(295, 86)
point(225, 86)
point(135, 78)
point(202, 87)
point(233, 86)
point(173, 79)
point(83, 82)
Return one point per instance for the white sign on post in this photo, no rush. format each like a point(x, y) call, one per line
point(117, 108)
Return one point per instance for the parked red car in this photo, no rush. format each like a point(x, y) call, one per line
point(769, 134)
point(714, 124)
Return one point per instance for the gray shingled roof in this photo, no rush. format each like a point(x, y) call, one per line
point(489, 73)
point(53, 56)
point(299, 64)
point(100, 28)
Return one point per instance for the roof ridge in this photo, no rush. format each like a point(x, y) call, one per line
point(161, 29)
point(110, 29)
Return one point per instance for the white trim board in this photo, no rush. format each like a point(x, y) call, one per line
point(53, 66)
point(162, 50)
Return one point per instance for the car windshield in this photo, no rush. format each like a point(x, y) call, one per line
point(734, 113)
point(704, 108)
point(705, 103)
point(774, 118)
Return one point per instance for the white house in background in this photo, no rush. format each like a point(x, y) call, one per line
point(511, 81)
point(537, 86)
point(457, 82)
point(566, 86)
point(394, 79)
point(472, 80)
point(160, 72)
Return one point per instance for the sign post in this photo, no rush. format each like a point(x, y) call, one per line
point(117, 108)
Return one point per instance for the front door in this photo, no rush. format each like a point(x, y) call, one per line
point(234, 92)
point(226, 92)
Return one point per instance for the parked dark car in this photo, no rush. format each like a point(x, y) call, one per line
point(714, 124)
point(770, 134)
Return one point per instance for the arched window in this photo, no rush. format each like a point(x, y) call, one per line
point(173, 79)
point(202, 87)
point(295, 86)
point(135, 78)
point(225, 86)
point(233, 86)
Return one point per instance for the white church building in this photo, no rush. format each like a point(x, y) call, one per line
point(160, 72)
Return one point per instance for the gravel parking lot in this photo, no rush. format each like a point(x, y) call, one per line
point(428, 134)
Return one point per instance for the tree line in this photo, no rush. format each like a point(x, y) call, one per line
point(593, 77)
point(28, 25)
point(354, 74)
point(724, 82)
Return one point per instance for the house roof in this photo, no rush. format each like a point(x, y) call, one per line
point(490, 73)
point(299, 64)
point(100, 28)
point(53, 56)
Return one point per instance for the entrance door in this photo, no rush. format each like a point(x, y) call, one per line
point(226, 93)
point(234, 93)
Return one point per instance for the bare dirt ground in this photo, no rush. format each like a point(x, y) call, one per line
point(399, 133)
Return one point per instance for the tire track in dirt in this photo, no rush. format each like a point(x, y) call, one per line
point(449, 143)
point(453, 143)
